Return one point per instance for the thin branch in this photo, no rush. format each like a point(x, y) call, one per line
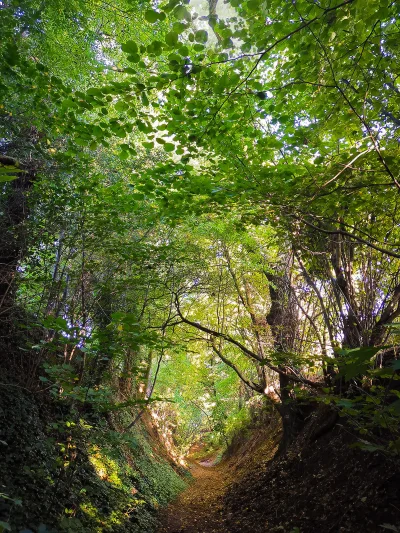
point(244, 349)
point(351, 235)
point(250, 384)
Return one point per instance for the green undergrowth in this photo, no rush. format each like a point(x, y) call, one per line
point(208, 453)
point(62, 470)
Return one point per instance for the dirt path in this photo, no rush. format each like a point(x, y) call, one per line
point(199, 508)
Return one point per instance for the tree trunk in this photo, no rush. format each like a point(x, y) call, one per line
point(280, 320)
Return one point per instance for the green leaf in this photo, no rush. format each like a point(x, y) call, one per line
point(181, 13)
point(169, 147)
point(81, 142)
point(5, 525)
point(183, 51)
point(145, 100)
point(155, 48)
point(344, 403)
point(9, 168)
point(7, 177)
point(148, 145)
point(171, 38)
point(227, 43)
point(355, 362)
point(93, 91)
point(201, 36)
point(121, 106)
point(253, 5)
point(179, 27)
point(138, 196)
point(151, 16)
point(170, 6)
point(130, 47)
point(134, 58)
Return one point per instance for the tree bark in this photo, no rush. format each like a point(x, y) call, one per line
point(289, 409)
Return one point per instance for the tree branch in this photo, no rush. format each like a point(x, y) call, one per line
point(245, 350)
point(348, 234)
point(250, 384)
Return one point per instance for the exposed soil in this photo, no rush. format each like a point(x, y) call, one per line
point(321, 485)
point(199, 508)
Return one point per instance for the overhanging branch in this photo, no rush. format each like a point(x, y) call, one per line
point(245, 350)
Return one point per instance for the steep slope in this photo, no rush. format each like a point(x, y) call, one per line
point(78, 473)
point(321, 484)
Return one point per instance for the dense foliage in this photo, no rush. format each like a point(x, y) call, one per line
point(199, 218)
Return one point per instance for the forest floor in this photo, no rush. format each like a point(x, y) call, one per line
point(323, 484)
point(199, 508)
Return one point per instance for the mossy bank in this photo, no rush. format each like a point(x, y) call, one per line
point(66, 471)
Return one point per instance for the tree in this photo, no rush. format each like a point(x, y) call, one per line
point(289, 134)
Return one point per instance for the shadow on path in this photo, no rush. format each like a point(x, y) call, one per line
point(199, 508)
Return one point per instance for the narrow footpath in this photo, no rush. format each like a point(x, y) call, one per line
point(202, 507)
point(199, 508)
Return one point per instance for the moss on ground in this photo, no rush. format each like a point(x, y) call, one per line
point(72, 472)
